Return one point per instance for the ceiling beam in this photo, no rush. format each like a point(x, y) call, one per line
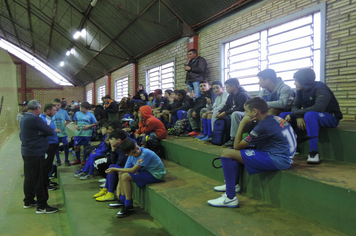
point(54, 12)
point(118, 35)
point(30, 26)
point(12, 22)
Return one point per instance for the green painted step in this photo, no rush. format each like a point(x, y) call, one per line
point(325, 193)
point(180, 205)
point(88, 217)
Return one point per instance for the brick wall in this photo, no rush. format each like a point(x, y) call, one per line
point(69, 93)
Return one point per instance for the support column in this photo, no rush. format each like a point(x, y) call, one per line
point(23, 82)
point(109, 85)
point(135, 78)
point(94, 94)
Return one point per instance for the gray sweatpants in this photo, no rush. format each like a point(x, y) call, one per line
point(236, 118)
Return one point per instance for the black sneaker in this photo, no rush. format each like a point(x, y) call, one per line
point(47, 210)
point(116, 204)
point(58, 163)
point(29, 205)
point(51, 188)
point(52, 183)
point(67, 163)
point(125, 211)
point(228, 143)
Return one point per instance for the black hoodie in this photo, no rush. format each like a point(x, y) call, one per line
point(236, 102)
point(138, 94)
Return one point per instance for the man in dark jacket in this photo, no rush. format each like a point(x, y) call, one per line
point(234, 106)
point(180, 112)
point(33, 135)
point(196, 70)
point(99, 112)
point(111, 108)
point(200, 103)
point(314, 107)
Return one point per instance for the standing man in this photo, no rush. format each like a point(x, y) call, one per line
point(196, 69)
point(33, 135)
point(111, 108)
point(61, 120)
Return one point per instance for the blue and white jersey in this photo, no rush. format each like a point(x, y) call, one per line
point(149, 161)
point(84, 119)
point(59, 120)
point(276, 137)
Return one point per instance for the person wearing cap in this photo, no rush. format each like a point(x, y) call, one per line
point(111, 108)
point(22, 113)
point(159, 99)
point(314, 107)
point(275, 92)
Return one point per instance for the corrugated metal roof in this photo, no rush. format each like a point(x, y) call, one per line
point(117, 31)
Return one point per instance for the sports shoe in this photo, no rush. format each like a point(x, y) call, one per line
point(313, 158)
point(29, 205)
point(193, 133)
point(67, 163)
point(222, 188)
point(76, 162)
point(51, 188)
point(102, 180)
point(205, 138)
point(224, 201)
point(209, 139)
point(102, 185)
point(107, 197)
point(83, 163)
point(228, 143)
point(47, 210)
point(79, 170)
point(53, 183)
point(80, 174)
point(102, 192)
point(125, 211)
point(116, 204)
point(86, 177)
point(199, 137)
point(58, 163)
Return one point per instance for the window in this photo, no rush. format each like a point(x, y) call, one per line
point(161, 77)
point(121, 88)
point(285, 48)
point(101, 93)
point(90, 96)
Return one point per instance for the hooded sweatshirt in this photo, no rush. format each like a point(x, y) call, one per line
point(280, 98)
point(235, 102)
point(315, 96)
point(150, 124)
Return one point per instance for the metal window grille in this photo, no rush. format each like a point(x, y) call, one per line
point(161, 77)
point(121, 88)
point(90, 96)
point(285, 48)
point(101, 92)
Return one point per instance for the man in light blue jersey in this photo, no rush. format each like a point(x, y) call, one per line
point(61, 120)
point(274, 144)
point(84, 121)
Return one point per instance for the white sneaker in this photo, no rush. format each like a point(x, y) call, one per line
point(102, 185)
point(224, 201)
point(313, 158)
point(102, 180)
point(222, 188)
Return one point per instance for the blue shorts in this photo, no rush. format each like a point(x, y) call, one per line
point(143, 177)
point(257, 161)
point(85, 141)
point(63, 140)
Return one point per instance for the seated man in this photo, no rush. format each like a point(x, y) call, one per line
point(173, 103)
point(275, 92)
point(275, 143)
point(157, 112)
point(199, 103)
point(158, 99)
point(181, 111)
point(234, 106)
point(208, 113)
point(314, 107)
point(143, 167)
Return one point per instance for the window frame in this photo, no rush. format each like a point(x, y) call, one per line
point(99, 96)
point(160, 64)
point(128, 86)
point(321, 7)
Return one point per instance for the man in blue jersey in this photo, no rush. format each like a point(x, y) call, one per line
point(274, 141)
point(61, 120)
point(84, 121)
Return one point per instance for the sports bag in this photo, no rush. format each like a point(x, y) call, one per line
point(180, 127)
point(221, 132)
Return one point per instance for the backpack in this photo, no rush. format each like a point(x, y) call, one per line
point(180, 127)
point(221, 132)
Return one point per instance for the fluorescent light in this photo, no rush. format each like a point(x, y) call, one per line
point(76, 35)
point(83, 33)
point(68, 53)
point(72, 51)
point(62, 63)
point(29, 59)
